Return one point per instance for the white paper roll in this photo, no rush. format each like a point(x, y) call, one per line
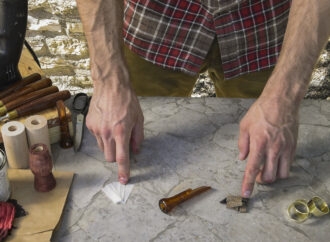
point(14, 139)
point(37, 130)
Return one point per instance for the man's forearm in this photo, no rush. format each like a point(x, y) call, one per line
point(103, 22)
point(307, 32)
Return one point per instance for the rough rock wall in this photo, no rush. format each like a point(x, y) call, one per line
point(56, 35)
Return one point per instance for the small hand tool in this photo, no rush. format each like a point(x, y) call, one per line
point(66, 140)
point(27, 98)
point(46, 82)
point(167, 204)
point(81, 104)
point(20, 84)
point(37, 105)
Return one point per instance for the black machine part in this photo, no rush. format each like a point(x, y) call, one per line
point(13, 23)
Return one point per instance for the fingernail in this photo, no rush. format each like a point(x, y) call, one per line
point(123, 180)
point(247, 193)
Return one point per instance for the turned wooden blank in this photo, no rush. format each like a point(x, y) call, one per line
point(41, 166)
point(14, 138)
point(37, 131)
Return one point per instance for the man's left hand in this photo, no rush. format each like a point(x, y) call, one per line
point(268, 137)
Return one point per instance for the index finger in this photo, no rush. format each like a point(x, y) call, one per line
point(251, 171)
point(122, 157)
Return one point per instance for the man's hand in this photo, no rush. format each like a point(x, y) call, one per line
point(268, 132)
point(116, 119)
point(268, 135)
point(115, 116)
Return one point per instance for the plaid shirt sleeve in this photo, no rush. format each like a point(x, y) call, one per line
point(177, 34)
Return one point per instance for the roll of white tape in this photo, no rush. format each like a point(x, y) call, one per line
point(37, 130)
point(14, 139)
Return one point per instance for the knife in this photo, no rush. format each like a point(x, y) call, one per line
point(79, 131)
point(80, 104)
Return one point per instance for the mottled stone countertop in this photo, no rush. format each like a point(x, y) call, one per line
point(190, 143)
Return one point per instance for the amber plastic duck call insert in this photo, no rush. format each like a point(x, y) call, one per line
point(66, 140)
point(167, 204)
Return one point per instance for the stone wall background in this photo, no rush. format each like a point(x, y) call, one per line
point(56, 35)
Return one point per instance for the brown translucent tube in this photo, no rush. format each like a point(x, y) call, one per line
point(66, 140)
point(167, 204)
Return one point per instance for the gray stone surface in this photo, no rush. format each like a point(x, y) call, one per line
point(190, 143)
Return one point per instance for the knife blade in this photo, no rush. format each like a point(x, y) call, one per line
point(79, 131)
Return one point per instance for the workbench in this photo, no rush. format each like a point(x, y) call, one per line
point(190, 143)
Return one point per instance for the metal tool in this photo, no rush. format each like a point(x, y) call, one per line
point(81, 104)
point(167, 204)
point(37, 105)
point(27, 98)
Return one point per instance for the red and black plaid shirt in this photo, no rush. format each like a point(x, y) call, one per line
point(177, 34)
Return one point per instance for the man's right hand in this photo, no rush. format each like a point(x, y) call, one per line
point(115, 118)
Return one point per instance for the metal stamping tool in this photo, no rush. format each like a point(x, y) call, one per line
point(318, 207)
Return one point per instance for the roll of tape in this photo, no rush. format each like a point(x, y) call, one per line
point(299, 211)
point(318, 207)
point(37, 131)
point(14, 139)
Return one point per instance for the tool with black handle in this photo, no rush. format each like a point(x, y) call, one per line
point(37, 105)
point(46, 82)
point(20, 84)
point(27, 98)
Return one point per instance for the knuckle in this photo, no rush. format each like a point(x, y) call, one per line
point(242, 126)
point(240, 143)
point(252, 172)
point(277, 147)
point(121, 159)
point(259, 144)
point(105, 132)
point(120, 130)
point(89, 125)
